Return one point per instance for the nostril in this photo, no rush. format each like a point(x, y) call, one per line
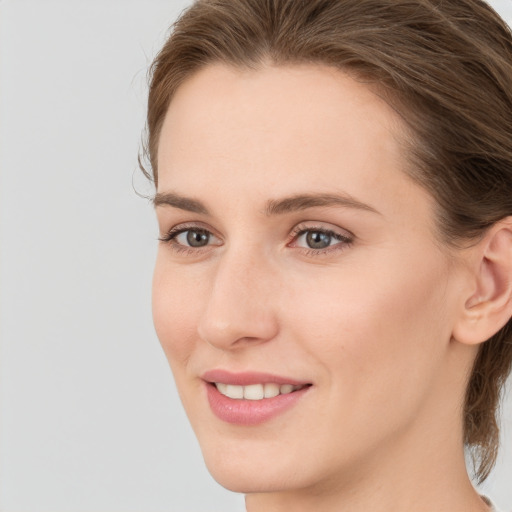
point(244, 330)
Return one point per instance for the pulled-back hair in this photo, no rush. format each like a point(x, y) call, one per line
point(444, 65)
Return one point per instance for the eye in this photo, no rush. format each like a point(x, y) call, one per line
point(189, 238)
point(319, 240)
point(193, 238)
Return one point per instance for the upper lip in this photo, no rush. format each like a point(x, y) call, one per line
point(248, 378)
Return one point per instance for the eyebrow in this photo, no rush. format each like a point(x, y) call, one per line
point(177, 201)
point(273, 207)
point(305, 201)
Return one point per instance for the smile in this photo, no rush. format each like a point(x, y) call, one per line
point(251, 398)
point(256, 391)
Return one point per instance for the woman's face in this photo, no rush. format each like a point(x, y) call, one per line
point(298, 258)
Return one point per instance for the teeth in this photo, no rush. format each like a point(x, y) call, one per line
point(286, 388)
point(234, 391)
point(255, 391)
point(271, 390)
point(222, 387)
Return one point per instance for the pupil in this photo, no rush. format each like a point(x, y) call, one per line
point(197, 238)
point(318, 240)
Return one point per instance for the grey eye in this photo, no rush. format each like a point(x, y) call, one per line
point(318, 239)
point(196, 238)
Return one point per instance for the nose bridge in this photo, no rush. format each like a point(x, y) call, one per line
point(239, 308)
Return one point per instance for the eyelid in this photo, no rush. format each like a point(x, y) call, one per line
point(323, 227)
point(345, 238)
point(170, 236)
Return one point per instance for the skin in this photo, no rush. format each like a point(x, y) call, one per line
point(368, 322)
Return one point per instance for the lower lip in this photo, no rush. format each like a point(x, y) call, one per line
point(250, 412)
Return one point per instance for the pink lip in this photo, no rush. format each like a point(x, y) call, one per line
point(248, 378)
point(249, 412)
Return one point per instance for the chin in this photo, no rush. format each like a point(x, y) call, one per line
point(245, 471)
point(241, 483)
point(247, 480)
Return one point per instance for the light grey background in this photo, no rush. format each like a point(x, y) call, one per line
point(89, 417)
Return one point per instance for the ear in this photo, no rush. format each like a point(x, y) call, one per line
point(489, 304)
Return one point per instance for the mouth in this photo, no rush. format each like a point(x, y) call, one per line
point(256, 391)
point(251, 398)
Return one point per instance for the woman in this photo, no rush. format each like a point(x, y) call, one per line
point(333, 286)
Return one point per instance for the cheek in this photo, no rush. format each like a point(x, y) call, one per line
point(376, 325)
point(377, 339)
point(176, 305)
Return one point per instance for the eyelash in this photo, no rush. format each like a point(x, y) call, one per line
point(170, 238)
point(345, 241)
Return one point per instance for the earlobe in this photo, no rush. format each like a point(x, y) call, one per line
point(489, 307)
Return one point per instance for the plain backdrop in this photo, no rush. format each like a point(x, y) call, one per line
point(89, 417)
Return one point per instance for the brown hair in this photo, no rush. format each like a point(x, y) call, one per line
point(444, 65)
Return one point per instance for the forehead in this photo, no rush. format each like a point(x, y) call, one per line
point(287, 103)
point(280, 130)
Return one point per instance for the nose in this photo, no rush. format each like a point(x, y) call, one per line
point(240, 309)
